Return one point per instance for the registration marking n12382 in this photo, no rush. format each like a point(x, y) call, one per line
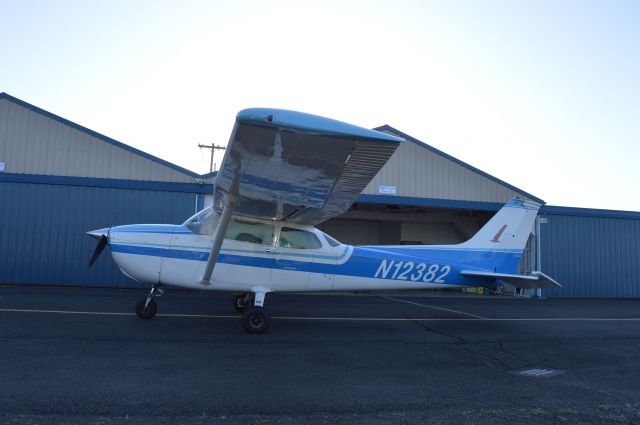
point(415, 272)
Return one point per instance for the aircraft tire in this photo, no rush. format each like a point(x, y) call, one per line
point(256, 320)
point(147, 313)
point(238, 303)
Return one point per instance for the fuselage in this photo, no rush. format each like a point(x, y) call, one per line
point(285, 257)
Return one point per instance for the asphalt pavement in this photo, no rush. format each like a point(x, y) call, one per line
point(80, 355)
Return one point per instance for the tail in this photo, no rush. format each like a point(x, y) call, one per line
point(505, 236)
point(507, 233)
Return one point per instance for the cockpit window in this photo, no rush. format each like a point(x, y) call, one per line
point(203, 222)
point(330, 240)
point(297, 238)
point(251, 232)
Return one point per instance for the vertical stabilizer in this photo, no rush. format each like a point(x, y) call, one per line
point(506, 234)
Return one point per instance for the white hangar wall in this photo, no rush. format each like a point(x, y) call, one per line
point(423, 196)
point(34, 141)
point(437, 175)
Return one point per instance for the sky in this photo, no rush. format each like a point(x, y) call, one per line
point(543, 94)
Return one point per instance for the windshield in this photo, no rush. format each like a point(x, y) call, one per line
point(202, 222)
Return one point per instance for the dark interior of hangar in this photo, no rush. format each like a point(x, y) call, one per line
point(384, 224)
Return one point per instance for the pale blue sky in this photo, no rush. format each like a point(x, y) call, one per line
point(542, 94)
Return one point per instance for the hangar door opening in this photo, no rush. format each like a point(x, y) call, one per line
point(388, 224)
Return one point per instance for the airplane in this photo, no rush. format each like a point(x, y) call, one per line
point(283, 173)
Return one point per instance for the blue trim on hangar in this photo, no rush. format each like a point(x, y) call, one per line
point(204, 189)
point(108, 183)
point(428, 202)
point(589, 212)
point(490, 206)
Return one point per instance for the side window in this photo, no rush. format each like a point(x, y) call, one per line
point(330, 240)
point(300, 239)
point(247, 231)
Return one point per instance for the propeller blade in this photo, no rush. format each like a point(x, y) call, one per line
point(99, 248)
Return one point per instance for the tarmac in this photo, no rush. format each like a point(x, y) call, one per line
point(80, 355)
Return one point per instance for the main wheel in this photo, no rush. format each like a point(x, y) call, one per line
point(146, 313)
point(256, 320)
point(239, 303)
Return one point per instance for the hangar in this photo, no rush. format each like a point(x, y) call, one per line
point(59, 179)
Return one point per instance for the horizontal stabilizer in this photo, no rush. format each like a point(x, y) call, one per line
point(536, 280)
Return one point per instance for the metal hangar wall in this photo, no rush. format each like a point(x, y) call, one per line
point(592, 253)
point(60, 180)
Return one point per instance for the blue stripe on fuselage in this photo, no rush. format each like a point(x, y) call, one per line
point(364, 262)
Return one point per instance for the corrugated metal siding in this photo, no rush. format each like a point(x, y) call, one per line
point(42, 229)
point(528, 260)
point(31, 143)
point(592, 256)
point(420, 173)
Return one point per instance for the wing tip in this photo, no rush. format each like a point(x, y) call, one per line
point(303, 121)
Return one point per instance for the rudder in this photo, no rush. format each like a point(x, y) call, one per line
point(508, 229)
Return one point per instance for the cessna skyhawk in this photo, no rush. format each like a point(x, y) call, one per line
point(283, 173)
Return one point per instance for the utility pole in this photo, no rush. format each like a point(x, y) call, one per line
point(213, 148)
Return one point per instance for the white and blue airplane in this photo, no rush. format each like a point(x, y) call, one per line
point(283, 173)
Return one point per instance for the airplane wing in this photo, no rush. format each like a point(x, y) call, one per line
point(296, 167)
point(536, 280)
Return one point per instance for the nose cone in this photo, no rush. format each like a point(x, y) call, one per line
point(99, 233)
point(138, 249)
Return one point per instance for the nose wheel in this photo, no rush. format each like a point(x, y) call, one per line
point(146, 308)
point(256, 320)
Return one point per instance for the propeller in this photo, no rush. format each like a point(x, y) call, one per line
point(99, 248)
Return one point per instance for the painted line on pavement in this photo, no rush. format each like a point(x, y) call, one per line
point(108, 313)
point(378, 319)
point(437, 308)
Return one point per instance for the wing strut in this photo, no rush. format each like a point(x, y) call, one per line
point(230, 202)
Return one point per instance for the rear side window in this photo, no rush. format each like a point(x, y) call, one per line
point(330, 240)
point(300, 239)
point(251, 232)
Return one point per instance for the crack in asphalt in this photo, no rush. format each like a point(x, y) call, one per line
point(465, 345)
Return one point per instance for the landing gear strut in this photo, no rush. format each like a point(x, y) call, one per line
point(146, 308)
point(241, 302)
point(256, 319)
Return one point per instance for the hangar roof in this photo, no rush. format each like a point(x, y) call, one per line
point(436, 176)
point(37, 142)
